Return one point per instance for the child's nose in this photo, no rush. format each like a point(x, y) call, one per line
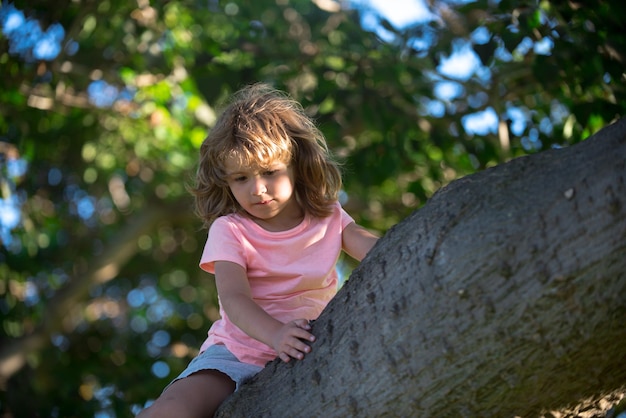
point(258, 187)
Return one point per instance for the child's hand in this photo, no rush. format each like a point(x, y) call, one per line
point(288, 341)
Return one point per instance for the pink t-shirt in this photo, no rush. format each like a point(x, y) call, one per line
point(292, 273)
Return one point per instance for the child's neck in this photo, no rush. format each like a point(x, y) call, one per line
point(280, 223)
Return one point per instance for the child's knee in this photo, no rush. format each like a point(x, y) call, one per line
point(163, 409)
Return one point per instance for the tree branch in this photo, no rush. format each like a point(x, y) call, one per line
point(118, 252)
point(502, 296)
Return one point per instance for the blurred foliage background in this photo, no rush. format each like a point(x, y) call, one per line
point(103, 105)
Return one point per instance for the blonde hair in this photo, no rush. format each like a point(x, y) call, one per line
point(262, 126)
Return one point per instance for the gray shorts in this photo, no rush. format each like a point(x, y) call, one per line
point(217, 357)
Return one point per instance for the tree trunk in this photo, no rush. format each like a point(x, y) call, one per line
point(504, 296)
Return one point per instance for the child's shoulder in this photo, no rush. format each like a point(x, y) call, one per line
point(229, 220)
point(337, 214)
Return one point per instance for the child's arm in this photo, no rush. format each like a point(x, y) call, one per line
point(236, 298)
point(357, 241)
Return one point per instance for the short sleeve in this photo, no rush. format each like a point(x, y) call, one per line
point(223, 244)
point(345, 218)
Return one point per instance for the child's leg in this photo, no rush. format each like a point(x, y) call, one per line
point(195, 396)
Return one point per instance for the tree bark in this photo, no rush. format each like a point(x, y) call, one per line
point(503, 296)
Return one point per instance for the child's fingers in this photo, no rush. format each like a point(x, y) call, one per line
point(292, 342)
point(296, 354)
point(302, 323)
point(298, 347)
point(301, 346)
point(302, 334)
point(297, 351)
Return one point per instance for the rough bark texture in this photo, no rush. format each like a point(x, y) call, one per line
point(504, 296)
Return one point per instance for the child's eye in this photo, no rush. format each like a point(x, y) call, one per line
point(239, 179)
point(270, 172)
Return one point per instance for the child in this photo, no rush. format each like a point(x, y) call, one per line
point(267, 190)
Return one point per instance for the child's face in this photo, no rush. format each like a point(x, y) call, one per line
point(266, 194)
